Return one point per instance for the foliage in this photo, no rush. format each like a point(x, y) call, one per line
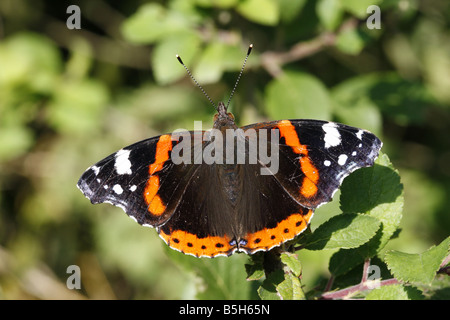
point(71, 97)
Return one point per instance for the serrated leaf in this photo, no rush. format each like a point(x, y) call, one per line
point(264, 12)
point(268, 289)
point(417, 268)
point(292, 262)
point(255, 269)
point(394, 292)
point(343, 231)
point(377, 192)
point(290, 288)
point(297, 95)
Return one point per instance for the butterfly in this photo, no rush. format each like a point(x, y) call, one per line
point(229, 189)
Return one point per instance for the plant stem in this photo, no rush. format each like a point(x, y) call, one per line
point(353, 290)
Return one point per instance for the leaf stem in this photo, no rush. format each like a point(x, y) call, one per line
point(443, 267)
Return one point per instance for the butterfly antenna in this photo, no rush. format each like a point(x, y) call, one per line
point(250, 47)
point(195, 81)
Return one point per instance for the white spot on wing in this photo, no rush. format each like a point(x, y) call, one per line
point(332, 136)
point(123, 164)
point(359, 134)
point(327, 163)
point(117, 189)
point(342, 159)
point(95, 169)
point(133, 188)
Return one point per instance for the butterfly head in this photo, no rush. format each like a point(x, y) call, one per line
point(223, 119)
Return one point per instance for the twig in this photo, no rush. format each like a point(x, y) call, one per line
point(273, 61)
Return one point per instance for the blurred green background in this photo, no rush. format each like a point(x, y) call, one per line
point(70, 97)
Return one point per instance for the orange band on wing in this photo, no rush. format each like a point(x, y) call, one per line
point(287, 130)
point(154, 202)
point(309, 184)
point(157, 206)
point(287, 229)
point(191, 244)
point(163, 147)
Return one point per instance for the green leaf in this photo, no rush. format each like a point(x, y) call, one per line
point(26, 54)
point(77, 105)
point(283, 285)
point(417, 268)
point(292, 262)
point(255, 269)
point(394, 292)
point(358, 7)
point(264, 12)
point(290, 9)
point(153, 22)
point(165, 66)
point(355, 107)
point(297, 95)
point(330, 13)
point(14, 141)
point(343, 231)
point(377, 192)
point(118, 240)
point(224, 4)
point(268, 289)
point(351, 41)
point(403, 100)
point(291, 288)
point(220, 278)
point(215, 59)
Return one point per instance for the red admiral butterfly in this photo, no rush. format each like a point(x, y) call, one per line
point(210, 208)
